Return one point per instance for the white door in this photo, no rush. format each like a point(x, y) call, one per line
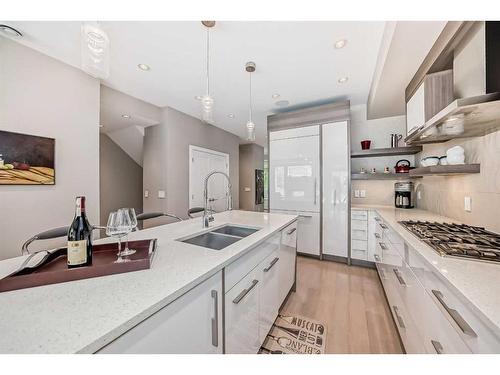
point(336, 160)
point(242, 315)
point(190, 324)
point(202, 162)
point(294, 170)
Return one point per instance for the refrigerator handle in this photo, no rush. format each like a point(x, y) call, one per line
point(315, 187)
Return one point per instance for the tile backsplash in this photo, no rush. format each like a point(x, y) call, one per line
point(445, 194)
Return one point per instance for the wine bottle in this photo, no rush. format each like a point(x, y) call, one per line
point(80, 237)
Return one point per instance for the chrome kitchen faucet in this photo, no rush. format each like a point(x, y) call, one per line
point(208, 212)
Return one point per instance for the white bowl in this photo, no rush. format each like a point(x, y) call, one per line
point(429, 161)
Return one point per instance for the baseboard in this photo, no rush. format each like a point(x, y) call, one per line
point(363, 263)
point(308, 255)
point(335, 258)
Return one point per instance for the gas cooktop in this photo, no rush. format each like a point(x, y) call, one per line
point(457, 240)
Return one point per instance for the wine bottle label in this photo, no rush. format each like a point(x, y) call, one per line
point(77, 252)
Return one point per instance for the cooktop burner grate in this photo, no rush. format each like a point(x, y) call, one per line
point(457, 240)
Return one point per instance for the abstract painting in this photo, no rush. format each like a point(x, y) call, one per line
point(26, 159)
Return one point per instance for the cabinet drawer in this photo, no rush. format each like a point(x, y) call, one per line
point(436, 332)
point(359, 215)
point(359, 224)
point(359, 234)
point(242, 266)
point(359, 245)
point(289, 235)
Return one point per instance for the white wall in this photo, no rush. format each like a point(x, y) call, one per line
point(166, 160)
point(378, 131)
point(42, 96)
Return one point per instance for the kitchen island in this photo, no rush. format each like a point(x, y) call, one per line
point(86, 316)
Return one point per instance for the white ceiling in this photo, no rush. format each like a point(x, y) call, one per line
point(295, 59)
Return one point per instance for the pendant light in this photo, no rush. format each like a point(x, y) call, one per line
point(95, 50)
point(250, 68)
point(207, 102)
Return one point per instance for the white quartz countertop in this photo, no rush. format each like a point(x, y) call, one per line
point(83, 316)
point(475, 281)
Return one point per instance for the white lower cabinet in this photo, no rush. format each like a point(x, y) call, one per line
point(288, 257)
point(269, 294)
point(308, 233)
point(242, 315)
point(190, 324)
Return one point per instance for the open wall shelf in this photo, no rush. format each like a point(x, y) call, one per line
point(393, 151)
point(445, 170)
point(382, 176)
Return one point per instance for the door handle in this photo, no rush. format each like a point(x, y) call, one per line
point(271, 265)
point(455, 315)
point(437, 346)
point(400, 320)
point(383, 246)
point(291, 231)
point(244, 292)
point(315, 187)
point(399, 277)
point(215, 319)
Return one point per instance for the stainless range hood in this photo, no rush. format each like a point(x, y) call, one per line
point(474, 59)
point(468, 117)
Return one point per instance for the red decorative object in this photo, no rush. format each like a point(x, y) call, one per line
point(365, 145)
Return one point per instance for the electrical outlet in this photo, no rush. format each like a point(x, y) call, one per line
point(161, 194)
point(146, 193)
point(356, 193)
point(362, 193)
point(468, 204)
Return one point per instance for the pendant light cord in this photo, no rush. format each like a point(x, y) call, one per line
point(208, 61)
point(250, 86)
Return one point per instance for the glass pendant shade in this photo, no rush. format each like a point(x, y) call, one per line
point(95, 51)
point(207, 105)
point(250, 131)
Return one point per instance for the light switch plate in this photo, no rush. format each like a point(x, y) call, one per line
point(362, 193)
point(468, 204)
point(356, 193)
point(247, 189)
point(146, 193)
point(161, 194)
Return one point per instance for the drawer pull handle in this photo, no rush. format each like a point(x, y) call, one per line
point(383, 246)
point(377, 235)
point(400, 320)
point(215, 320)
point(306, 216)
point(464, 326)
point(437, 346)
point(384, 226)
point(377, 258)
point(399, 277)
point(377, 218)
point(291, 231)
point(244, 292)
point(271, 265)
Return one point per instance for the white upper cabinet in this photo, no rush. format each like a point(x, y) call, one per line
point(415, 110)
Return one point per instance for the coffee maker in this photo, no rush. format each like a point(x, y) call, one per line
point(403, 192)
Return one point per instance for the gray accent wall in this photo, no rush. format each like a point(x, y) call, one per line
point(166, 160)
point(251, 158)
point(42, 96)
point(120, 179)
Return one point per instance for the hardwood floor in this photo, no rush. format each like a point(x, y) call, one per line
point(350, 301)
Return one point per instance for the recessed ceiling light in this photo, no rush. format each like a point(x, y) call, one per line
point(340, 43)
point(126, 116)
point(343, 80)
point(275, 96)
point(282, 103)
point(198, 97)
point(231, 115)
point(10, 31)
point(144, 67)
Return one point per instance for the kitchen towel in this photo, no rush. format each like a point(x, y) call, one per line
point(293, 334)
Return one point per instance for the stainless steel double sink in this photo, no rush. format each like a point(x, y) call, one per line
point(221, 237)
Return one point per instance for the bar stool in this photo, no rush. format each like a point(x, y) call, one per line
point(46, 235)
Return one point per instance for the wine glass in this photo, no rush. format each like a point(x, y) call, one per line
point(118, 226)
point(130, 212)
